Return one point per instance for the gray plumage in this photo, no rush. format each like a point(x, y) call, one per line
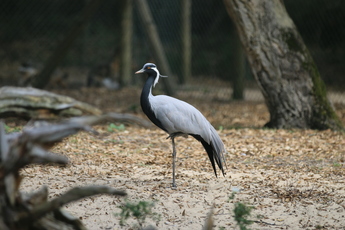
point(179, 118)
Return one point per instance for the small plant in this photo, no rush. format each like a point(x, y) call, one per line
point(241, 213)
point(336, 164)
point(11, 130)
point(112, 127)
point(140, 211)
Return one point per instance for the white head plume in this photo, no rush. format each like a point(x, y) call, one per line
point(158, 76)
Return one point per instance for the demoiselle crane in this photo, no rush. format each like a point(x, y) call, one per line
point(179, 118)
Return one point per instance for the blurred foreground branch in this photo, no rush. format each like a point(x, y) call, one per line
point(34, 211)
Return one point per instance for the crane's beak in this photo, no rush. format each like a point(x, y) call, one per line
point(139, 71)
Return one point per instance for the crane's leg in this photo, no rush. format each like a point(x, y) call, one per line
point(174, 159)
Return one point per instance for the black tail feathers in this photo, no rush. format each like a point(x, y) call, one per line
point(214, 157)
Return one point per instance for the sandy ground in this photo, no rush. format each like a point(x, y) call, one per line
point(293, 178)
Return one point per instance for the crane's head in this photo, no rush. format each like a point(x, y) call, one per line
point(151, 70)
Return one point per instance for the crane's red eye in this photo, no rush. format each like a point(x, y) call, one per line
point(148, 67)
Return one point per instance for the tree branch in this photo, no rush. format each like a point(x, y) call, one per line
point(70, 196)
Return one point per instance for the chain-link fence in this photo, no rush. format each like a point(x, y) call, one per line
point(30, 31)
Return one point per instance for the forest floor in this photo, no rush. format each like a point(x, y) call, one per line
point(294, 179)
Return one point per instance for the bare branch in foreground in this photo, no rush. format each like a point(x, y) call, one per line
point(33, 211)
point(72, 195)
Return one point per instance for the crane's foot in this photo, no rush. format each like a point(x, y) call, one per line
point(173, 186)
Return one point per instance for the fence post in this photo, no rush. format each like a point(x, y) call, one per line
point(186, 8)
point(155, 42)
point(126, 43)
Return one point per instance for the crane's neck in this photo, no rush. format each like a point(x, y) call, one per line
point(146, 93)
point(145, 97)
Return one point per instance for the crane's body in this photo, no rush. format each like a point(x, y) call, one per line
point(178, 118)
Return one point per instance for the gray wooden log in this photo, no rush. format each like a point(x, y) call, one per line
point(33, 103)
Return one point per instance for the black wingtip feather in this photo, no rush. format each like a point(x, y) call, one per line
point(209, 151)
point(213, 156)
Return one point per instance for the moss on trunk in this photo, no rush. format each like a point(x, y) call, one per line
point(323, 116)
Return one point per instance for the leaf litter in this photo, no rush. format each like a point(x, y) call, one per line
point(293, 178)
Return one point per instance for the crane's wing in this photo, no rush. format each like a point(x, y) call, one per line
point(179, 116)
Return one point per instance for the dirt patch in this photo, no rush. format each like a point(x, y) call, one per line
point(293, 178)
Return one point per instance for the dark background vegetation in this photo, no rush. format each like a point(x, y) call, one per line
point(31, 30)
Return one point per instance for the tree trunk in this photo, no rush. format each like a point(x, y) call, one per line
point(155, 43)
point(239, 70)
point(126, 43)
point(186, 32)
point(282, 65)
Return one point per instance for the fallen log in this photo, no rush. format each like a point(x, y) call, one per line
point(35, 104)
point(31, 103)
